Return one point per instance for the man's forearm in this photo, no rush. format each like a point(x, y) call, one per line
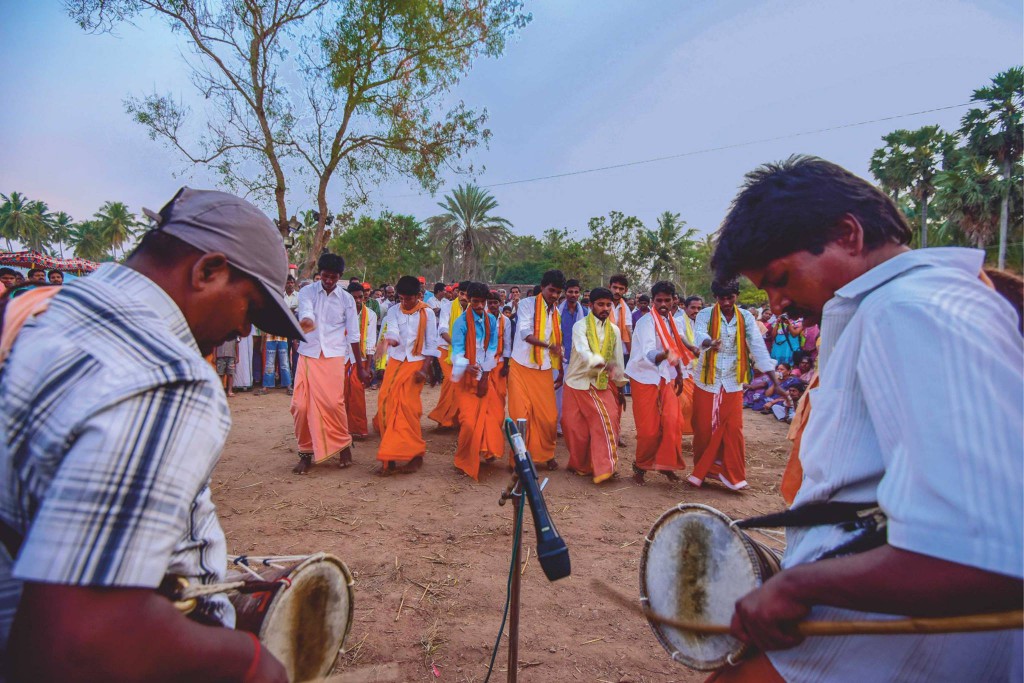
point(888, 580)
point(536, 341)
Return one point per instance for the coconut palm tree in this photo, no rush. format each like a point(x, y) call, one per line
point(88, 241)
point(666, 247)
point(23, 220)
point(61, 227)
point(995, 129)
point(116, 225)
point(38, 231)
point(969, 195)
point(467, 231)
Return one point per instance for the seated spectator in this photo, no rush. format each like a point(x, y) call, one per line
point(757, 392)
point(784, 408)
point(805, 369)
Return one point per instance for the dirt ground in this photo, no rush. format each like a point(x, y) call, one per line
point(430, 551)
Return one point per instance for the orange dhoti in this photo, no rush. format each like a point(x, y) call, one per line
point(480, 422)
point(590, 426)
point(355, 402)
point(718, 444)
point(318, 407)
point(446, 412)
point(686, 406)
point(531, 395)
point(398, 412)
point(659, 441)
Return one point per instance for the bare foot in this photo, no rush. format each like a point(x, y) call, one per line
point(386, 469)
point(231, 394)
point(305, 462)
point(552, 465)
point(638, 478)
point(671, 476)
point(412, 466)
point(259, 392)
point(345, 457)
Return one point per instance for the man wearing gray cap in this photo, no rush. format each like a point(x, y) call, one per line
point(111, 422)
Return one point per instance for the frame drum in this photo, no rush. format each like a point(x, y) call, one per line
point(695, 566)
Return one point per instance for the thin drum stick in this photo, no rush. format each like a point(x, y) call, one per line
point(995, 621)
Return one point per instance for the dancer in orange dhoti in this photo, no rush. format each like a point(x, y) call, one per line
point(474, 346)
point(685, 326)
point(327, 316)
point(656, 368)
point(410, 338)
point(531, 384)
point(730, 342)
point(355, 392)
point(494, 414)
point(446, 412)
point(590, 403)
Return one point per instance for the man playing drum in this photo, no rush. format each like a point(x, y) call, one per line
point(894, 422)
point(111, 422)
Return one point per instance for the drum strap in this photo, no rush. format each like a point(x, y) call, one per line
point(865, 521)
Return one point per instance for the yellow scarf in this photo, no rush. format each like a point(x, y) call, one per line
point(605, 348)
point(742, 352)
point(540, 319)
point(453, 315)
point(364, 322)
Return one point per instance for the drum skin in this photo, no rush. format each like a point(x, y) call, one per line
point(303, 624)
point(695, 566)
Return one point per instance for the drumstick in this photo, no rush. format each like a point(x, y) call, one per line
point(996, 621)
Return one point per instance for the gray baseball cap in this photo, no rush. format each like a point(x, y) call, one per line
point(213, 221)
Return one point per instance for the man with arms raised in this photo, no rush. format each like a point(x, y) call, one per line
point(892, 422)
point(531, 383)
point(592, 406)
point(327, 314)
point(105, 497)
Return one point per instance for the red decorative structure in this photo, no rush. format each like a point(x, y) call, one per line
point(33, 259)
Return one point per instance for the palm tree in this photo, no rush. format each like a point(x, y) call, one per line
point(666, 247)
point(116, 225)
point(995, 130)
point(890, 164)
point(929, 150)
point(88, 240)
point(23, 220)
point(38, 231)
point(466, 232)
point(61, 225)
point(969, 196)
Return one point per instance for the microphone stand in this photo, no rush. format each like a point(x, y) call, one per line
point(513, 491)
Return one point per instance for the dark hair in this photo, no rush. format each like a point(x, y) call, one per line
point(781, 363)
point(553, 277)
point(162, 248)
point(573, 282)
point(354, 287)
point(644, 297)
point(464, 285)
point(515, 287)
point(725, 287)
point(663, 287)
point(35, 270)
point(438, 287)
point(54, 271)
point(493, 295)
point(8, 271)
point(600, 293)
point(477, 290)
point(535, 291)
point(407, 285)
point(290, 278)
point(332, 262)
point(690, 299)
point(619, 279)
point(795, 205)
point(506, 308)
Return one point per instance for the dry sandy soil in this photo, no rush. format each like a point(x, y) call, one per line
point(430, 551)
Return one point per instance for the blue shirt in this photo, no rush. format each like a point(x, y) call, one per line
point(568, 320)
point(486, 361)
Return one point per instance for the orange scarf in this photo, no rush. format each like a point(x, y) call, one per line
point(673, 342)
point(621, 316)
point(421, 331)
point(471, 334)
point(364, 322)
point(540, 318)
point(707, 375)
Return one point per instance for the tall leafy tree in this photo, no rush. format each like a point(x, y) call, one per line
point(666, 247)
point(88, 241)
point(929, 149)
point(995, 129)
point(353, 90)
point(116, 225)
point(385, 248)
point(613, 245)
point(23, 220)
point(891, 164)
point(37, 231)
point(61, 227)
point(467, 230)
point(969, 195)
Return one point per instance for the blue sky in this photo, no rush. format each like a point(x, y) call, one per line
point(588, 83)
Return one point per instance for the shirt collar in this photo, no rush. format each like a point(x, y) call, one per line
point(968, 260)
point(148, 293)
point(320, 289)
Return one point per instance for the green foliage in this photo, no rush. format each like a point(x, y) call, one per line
point(116, 225)
point(25, 221)
point(667, 248)
point(466, 233)
point(88, 240)
point(385, 248)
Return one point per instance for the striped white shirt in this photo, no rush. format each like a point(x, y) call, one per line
point(725, 359)
point(920, 409)
point(110, 424)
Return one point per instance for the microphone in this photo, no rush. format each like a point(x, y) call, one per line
point(551, 549)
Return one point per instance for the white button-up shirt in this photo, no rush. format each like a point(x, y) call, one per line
point(522, 353)
point(403, 328)
point(920, 408)
point(725, 360)
point(645, 348)
point(443, 318)
point(506, 339)
point(337, 324)
point(367, 345)
point(583, 364)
